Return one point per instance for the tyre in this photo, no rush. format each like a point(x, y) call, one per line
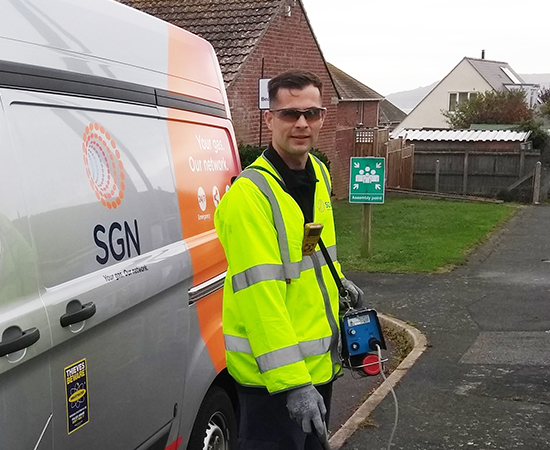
point(215, 426)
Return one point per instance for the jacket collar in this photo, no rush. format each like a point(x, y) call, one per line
point(288, 175)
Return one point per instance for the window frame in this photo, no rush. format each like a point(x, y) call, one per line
point(457, 94)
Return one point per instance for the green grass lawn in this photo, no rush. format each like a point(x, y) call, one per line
point(415, 235)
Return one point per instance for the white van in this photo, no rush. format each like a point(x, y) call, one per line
point(116, 145)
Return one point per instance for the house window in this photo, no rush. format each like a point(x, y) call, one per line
point(455, 98)
point(452, 101)
point(511, 75)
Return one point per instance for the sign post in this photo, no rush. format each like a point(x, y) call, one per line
point(366, 186)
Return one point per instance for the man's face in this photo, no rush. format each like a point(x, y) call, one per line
point(294, 137)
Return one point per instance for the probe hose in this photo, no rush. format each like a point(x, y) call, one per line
point(393, 393)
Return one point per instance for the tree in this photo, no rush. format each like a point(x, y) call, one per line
point(503, 108)
point(544, 96)
point(491, 107)
point(539, 137)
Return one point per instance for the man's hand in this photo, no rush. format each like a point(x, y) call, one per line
point(306, 405)
point(355, 294)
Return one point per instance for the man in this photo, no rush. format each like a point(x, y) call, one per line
point(280, 313)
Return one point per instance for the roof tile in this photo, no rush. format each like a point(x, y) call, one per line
point(493, 73)
point(351, 89)
point(390, 114)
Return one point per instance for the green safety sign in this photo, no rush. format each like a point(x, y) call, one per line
point(366, 181)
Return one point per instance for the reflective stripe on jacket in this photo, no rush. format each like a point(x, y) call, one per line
point(280, 309)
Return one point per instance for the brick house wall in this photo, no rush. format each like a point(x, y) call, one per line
point(345, 144)
point(349, 114)
point(287, 43)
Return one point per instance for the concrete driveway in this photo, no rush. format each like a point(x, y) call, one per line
point(484, 382)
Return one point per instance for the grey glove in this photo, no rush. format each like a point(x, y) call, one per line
point(355, 294)
point(306, 405)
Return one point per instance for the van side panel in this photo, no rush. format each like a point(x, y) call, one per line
point(192, 59)
point(121, 192)
point(210, 323)
point(104, 217)
point(77, 36)
point(102, 189)
point(204, 159)
point(25, 385)
point(92, 38)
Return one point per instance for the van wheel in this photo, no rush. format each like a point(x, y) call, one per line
point(215, 426)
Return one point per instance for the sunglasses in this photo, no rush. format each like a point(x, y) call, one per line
point(293, 114)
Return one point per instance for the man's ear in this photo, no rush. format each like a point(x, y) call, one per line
point(268, 117)
point(323, 116)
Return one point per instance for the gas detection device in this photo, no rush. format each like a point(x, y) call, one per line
point(312, 234)
point(361, 337)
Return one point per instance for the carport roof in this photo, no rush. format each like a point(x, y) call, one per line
point(464, 135)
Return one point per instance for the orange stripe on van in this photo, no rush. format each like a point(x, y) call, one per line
point(200, 185)
point(205, 159)
point(209, 312)
point(192, 67)
point(207, 255)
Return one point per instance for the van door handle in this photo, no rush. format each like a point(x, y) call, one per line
point(206, 288)
point(26, 339)
point(85, 312)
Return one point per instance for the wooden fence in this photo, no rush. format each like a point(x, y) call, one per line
point(371, 142)
point(399, 164)
point(471, 172)
point(399, 158)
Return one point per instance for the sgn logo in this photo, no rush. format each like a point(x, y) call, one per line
point(105, 172)
point(104, 167)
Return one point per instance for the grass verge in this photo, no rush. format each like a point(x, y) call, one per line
point(401, 342)
point(416, 235)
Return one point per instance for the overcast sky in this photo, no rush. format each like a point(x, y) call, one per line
point(400, 45)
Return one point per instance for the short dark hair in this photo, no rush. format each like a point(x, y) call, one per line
point(293, 79)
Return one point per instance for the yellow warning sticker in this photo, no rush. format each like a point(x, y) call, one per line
point(76, 389)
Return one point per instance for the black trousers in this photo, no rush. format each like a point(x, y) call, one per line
point(266, 425)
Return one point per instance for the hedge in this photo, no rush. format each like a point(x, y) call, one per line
point(249, 153)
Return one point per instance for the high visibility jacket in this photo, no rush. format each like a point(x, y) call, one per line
point(280, 308)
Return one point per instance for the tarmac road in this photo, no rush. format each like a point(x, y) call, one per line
point(484, 382)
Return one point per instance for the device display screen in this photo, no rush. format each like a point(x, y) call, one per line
point(358, 320)
point(314, 231)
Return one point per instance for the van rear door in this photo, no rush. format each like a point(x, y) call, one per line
point(25, 391)
point(113, 268)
